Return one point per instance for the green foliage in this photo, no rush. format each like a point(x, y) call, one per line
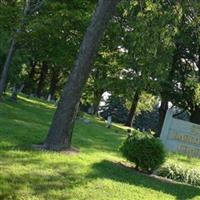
point(147, 120)
point(180, 173)
point(144, 150)
point(142, 44)
point(92, 174)
point(197, 95)
point(146, 102)
point(193, 87)
point(116, 106)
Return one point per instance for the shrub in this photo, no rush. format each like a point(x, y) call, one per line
point(144, 150)
point(180, 173)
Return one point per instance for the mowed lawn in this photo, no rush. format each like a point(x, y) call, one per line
point(93, 174)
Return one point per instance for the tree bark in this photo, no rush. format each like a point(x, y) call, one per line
point(162, 112)
point(97, 99)
point(16, 91)
point(14, 94)
point(28, 87)
point(41, 80)
point(4, 75)
point(53, 83)
point(132, 112)
point(60, 134)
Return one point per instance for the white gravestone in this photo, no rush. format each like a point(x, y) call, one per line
point(180, 136)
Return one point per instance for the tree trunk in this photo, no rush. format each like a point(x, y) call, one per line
point(195, 115)
point(162, 112)
point(53, 83)
point(60, 132)
point(41, 80)
point(132, 112)
point(14, 94)
point(29, 85)
point(4, 75)
point(29, 9)
point(97, 99)
point(16, 91)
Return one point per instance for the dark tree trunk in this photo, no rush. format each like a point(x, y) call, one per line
point(53, 83)
point(4, 74)
point(162, 112)
point(29, 85)
point(60, 132)
point(14, 94)
point(132, 112)
point(195, 115)
point(16, 91)
point(165, 90)
point(97, 99)
point(41, 80)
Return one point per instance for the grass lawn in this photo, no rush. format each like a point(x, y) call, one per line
point(93, 174)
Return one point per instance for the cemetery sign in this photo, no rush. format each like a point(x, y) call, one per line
point(180, 136)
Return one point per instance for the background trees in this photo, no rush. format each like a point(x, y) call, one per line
point(150, 48)
point(60, 132)
point(29, 8)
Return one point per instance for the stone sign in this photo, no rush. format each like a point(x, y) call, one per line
point(180, 136)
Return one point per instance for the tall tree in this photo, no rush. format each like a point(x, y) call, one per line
point(31, 7)
point(132, 111)
point(60, 133)
point(41, 80)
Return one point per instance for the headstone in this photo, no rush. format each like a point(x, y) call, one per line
point(49, 98)
point(91, 110)
point(109, 121)
point(86, 121)
point(180, 136)
point(31, 95)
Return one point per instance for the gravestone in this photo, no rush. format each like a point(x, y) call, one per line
point(180, 136)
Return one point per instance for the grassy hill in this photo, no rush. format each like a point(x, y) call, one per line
point(93, 174)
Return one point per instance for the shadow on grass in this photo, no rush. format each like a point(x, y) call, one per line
point(119, 173)
point(22, 125)
point(36, 178)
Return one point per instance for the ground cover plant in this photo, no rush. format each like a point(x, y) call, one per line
point(94, 173)
point(181, 168)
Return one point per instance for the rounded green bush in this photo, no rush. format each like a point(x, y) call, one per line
point(144, 150)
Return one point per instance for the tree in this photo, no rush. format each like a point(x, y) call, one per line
point(132, 111)
point(43, 73)
point(181, 87)
point(31, 7)
point(60, 133)
point(53, 37)
point(147, 46)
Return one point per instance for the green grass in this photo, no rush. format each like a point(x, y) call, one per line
point(93, 174)
point(184, 161)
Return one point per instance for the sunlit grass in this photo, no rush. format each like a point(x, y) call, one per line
point(35, 101)
point(187, 162)
point(93, 174)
